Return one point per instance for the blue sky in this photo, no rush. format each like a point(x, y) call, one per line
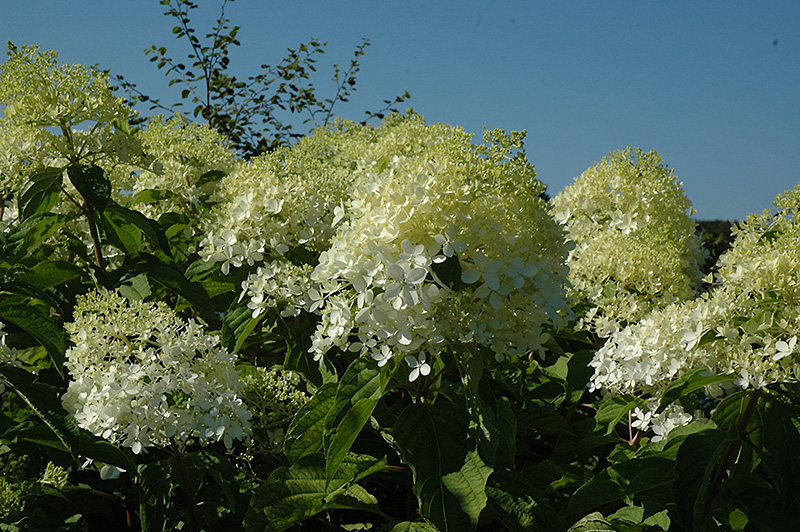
point(712, 86)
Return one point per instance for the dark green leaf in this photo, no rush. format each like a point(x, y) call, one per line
point(518, 505)
point(174, 281)
point(42, 192)
point(449, 475)
point(212, 176)
point(594, 522)
point(52, 273)
point(154, 488)
point(220, 469)
point(361, 387)
point(150, 196)
point(39, 326)
point(412, 526)
point(697, 459)
point(614, 409)
point(44, 401)
point(304, 436)
point(688, 383)
point(237, 324)
point(619, 481)
point(27, 237)
point(292, 495)
point(92, 183)
point(130, 226)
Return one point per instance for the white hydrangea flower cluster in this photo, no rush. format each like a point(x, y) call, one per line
point(59, 109)
point(383, 214)
point(636, 247)
point(181, 152)
point(283, 200)
point(661, 423)
point(745, 327)
point(17, 155)
point(143, 377)
point(442, 242)
point(279, 284)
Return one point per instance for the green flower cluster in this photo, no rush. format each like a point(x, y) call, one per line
point(53, 110)
point(635, 246)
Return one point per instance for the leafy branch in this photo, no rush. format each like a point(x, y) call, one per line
point(245, 111)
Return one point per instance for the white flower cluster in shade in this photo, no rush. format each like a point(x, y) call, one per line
point(636, 248)
point(274, 396)
point(746, 326)
point(143, 377)
point(417, 239)
point(8, 355)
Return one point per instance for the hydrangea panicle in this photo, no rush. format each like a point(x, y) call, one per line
point(635, 245)
point(141, 376)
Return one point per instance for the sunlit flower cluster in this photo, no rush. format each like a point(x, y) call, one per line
point(288, 199)
point(179, 153)
point(442, 242)
point(745, 327)
point(142, 377)
point(636, 248)
point(57, 109)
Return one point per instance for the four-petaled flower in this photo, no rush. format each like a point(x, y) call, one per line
point(418, 366)
point(784, 347)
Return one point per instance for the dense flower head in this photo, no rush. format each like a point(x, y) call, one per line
point(53, 108)
point(287, 199)
point(636, 248)
point(745, 327)
point(141, 376)
point(179, 153)
point(274, 396)
point(442, 241)
point(416, 238)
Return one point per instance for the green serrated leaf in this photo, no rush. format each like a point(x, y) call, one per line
point(155, 485)
point(237, 324)
point(619, 481)
point(52, 273)
point(594, 522)
point(697, 458)
point(149, 196)
point(304, 435)
point(40, 327)
point(688, 383)
point(174, 281)
point(219, 468)
point(449, 475)
point(412, 526)
point(28, 236)
point(293, 494)
point(518, 504)
point(358, 392)
point(46, 404)
point(129, 227)
point(213, 176)
point(135, 288)
point(614, 409)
